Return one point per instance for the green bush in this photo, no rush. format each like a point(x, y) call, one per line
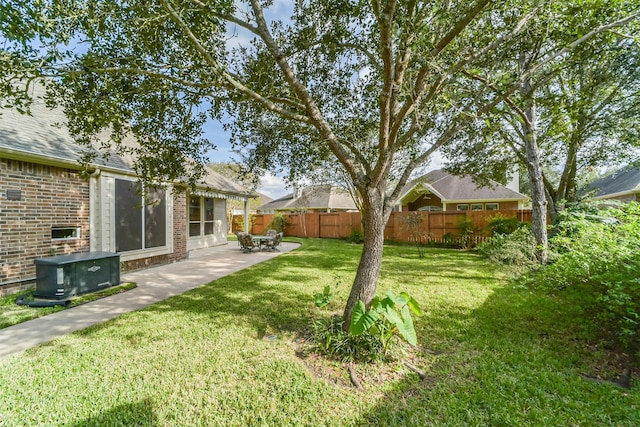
point(598, 267)
point(278, 223)
point(356, 236)
point(516, 250)
point(500, 224)
point(467, 229)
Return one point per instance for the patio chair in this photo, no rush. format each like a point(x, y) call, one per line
point(246, 242)
point(273, 244)
point(271, 233)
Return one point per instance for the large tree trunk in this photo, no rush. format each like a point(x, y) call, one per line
point(374, 220)
point(534, 166)
point(538, 196)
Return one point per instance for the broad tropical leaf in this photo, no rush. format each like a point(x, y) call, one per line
point(361, 320)
point(393, 317)
point(407, 330)
point(413, 305)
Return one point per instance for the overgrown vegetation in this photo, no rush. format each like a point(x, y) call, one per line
point(598, 266)
point(515, 250)
point(594, 265)
point(500, 224)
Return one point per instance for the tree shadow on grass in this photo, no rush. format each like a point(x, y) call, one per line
point(517, 363)
point(266, 296)
point(133, 414)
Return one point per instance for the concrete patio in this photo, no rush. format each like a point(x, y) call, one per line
point(154, 284)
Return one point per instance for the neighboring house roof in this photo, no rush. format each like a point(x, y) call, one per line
point(451, 188)
point(264, 198)
point(313, 197)
point(43, 138)
point(619, 183)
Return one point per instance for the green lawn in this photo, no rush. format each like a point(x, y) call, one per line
point(12, 314)
point(498, 356)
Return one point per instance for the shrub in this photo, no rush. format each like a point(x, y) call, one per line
point(466, 230)
point(500, 224)
point(278, 223)
point(356, 236)
point(598, 266)
point(516, 250)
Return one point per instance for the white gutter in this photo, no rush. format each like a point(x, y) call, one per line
point(621, 193)
point(48, 160)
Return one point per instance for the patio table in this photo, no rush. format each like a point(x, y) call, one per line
point(262, 240)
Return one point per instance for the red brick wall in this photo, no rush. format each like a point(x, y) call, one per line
point(179, 227)
point(53, 196)
point(50, 196)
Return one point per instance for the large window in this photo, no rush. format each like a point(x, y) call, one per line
point(140, 216)
point(200, 216)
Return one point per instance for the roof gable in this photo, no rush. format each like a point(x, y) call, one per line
point(452, 188)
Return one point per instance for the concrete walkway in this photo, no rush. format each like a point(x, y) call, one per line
point(154, 284)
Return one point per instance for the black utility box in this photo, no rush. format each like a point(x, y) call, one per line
point(64, 276)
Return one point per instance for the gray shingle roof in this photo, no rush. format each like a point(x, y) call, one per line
point(42, 136)
point(313, 197)
point(451, 188)
point(625, 180)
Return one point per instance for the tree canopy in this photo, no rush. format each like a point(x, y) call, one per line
point(587, 113)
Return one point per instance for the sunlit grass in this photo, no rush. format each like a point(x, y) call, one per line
point(496, 355)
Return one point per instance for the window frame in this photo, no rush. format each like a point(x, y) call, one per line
point(76, 233)
point(167, 215)
point(475, 205)
point(497, 206)
point(460, 205)
point(203, 220)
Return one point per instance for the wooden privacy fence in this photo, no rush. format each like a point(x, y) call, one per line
point(435, 226)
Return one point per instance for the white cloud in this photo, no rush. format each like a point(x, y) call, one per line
point(273, 186)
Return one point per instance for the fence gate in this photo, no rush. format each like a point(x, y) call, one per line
point(329, 225)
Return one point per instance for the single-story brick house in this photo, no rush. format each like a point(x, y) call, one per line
point(622, 185)
point(48, 206)
point(440, 191)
